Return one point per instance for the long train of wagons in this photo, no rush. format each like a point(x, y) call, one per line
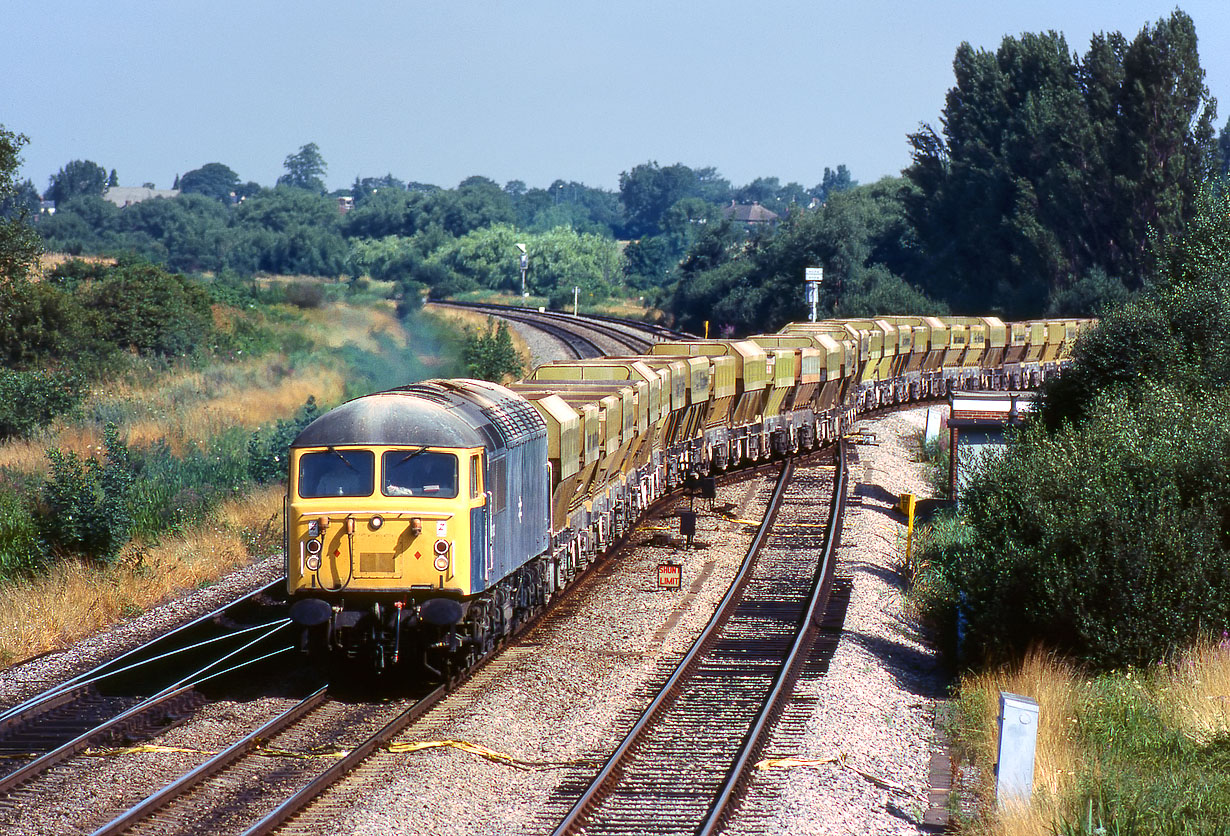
point(424, 522)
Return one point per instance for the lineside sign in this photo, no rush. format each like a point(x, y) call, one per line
point(670, 575)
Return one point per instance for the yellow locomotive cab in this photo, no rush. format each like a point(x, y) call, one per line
point(351, 521)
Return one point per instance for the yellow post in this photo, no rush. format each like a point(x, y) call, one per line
point(907, 507)
point(706, 329)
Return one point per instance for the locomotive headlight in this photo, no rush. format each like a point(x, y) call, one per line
point(312, 562)
point(441, 548)
point(376, 522)
point(313, 546)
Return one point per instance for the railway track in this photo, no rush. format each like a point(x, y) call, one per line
point(587, 336)
point(258, 783)
point(682, 766)
point(133, 697)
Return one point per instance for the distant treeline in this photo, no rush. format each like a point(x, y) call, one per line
point(1052, 181)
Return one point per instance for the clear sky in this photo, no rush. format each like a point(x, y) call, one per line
point(532, 90)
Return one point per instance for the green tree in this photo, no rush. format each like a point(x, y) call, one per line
point(365, 187)
point(1052, 165)
point(212, 180)
point(648, 190)
point(112, 180)
point(861, 238)
point(305, 169)
point(833, 182)
point(490, 354)
point(79, 178)
point(19, 245)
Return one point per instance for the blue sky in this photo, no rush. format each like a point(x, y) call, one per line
point(530, 90)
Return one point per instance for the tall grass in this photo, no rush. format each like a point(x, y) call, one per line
point(1132, 752)
point(73, 599)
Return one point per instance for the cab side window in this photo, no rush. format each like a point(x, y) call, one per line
point(475, 483)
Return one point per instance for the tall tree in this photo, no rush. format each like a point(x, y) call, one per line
point(648, 190)
point(305, 169)
point(212, 180)
point(19, 245)
point(1051, 165)
point(79, 178)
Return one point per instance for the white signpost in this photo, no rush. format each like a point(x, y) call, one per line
point(813, 276)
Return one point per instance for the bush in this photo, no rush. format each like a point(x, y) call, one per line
point(21, 548)
point(85, 504)
point(28, 400)
point(1107, 541)
point(145, 309)
point(268, 448)
point(490, 355)
point(305, 295)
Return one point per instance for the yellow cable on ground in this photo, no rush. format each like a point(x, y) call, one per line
point(839, 759)
point(482, 752)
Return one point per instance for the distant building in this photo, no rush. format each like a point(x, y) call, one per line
point(127, 195)
point(749, 213)
point(344, 204)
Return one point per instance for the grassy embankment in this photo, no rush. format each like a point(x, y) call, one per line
point(1127, 752)
point(201, 413)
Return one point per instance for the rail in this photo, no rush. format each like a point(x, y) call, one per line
point(721, 635)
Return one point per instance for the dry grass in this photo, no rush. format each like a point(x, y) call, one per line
point(474, 321)
point(1195, 692)
point(1059, 692)
point(187, 406)
point(1192, 695)
point(75, 600)
point(337, 325)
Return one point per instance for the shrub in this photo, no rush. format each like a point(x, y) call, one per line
point(490, 354)
point(305, 295)
point(145, 309)
point(21, 548)
point(1107, 541)
point(85, 503)
point(28, 400)
point(268, 448)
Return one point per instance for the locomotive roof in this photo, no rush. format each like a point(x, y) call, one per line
point(435, 413)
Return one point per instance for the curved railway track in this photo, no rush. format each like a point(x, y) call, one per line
point(585, 336)
point(683, 764)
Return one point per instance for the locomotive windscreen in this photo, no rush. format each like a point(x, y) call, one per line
point(419, 473)
point(337, 473)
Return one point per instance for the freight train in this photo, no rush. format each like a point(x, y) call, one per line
point(425, 522)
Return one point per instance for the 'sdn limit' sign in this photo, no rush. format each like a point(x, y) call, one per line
point(670, 575)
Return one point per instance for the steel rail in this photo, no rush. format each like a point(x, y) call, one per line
point(132, 659)
point(737, 776)
point(340, 768)
point(560, 322)
point(212, 766)
point(592, 795)
point(82, 741)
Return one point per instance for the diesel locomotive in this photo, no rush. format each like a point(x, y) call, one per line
point(423, 523)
